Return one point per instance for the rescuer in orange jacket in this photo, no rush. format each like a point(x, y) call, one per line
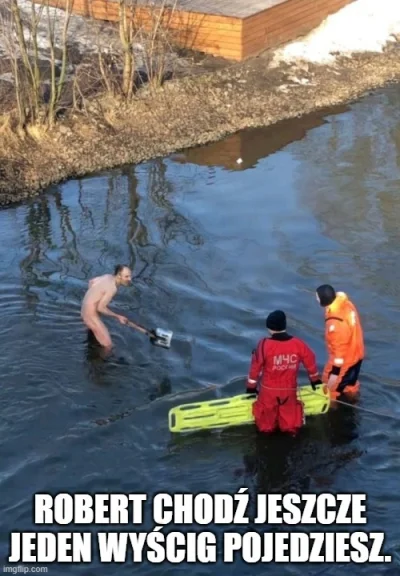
point(277, 359)
point(344, 341)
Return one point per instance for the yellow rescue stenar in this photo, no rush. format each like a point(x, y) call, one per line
point(237, 410)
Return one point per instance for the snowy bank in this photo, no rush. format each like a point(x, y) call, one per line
point(85, 35)
point(362, 26)
point(82, 32)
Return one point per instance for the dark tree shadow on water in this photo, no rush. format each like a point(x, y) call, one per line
point(39, 240)
point(171, 225)
point(41, 229)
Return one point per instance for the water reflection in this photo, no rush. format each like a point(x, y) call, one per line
point(278, 463)
point(351, 185)
point(168, 225)
point(136, 221)
point(252, 145)
point(212, 253)
point(281, 464)
point(55, 227)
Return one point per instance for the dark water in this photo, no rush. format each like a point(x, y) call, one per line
point(214, 247)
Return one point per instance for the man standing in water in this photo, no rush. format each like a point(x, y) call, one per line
point(344, 341)
point(277, 360)
point(101, 291)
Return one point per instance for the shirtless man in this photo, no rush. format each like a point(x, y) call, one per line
point(101, 291)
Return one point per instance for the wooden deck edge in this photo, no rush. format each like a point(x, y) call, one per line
point(228, 37)
point(213, 34)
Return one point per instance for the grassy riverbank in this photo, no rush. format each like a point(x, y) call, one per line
point(189, 110)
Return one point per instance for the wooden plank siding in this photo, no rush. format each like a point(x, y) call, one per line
point(228, 36)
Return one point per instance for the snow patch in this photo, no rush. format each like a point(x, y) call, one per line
point(77, 28)
point(362, 26)
point(83, 33)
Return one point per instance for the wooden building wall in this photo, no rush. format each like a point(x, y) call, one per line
point(230, 37)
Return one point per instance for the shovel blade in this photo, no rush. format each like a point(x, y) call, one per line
point(163, 338)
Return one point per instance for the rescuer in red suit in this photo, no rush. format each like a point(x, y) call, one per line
point(277, 360)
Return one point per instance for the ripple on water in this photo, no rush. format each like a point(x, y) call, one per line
point(49, 307)
point(13, 301)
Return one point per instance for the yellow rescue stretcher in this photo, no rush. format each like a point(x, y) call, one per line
point(237, 410)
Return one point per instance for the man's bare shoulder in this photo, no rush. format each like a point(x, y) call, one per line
point(104, 281)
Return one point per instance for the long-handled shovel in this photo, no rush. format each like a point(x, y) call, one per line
point(158, 337)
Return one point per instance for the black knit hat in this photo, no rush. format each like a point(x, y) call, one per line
point(276, 321)
point(326, 294)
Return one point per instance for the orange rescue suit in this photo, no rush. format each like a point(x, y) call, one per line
point(343, 336)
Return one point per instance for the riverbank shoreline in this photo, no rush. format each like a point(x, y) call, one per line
point(187, 112)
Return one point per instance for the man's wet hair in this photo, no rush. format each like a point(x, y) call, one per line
point(118, 269)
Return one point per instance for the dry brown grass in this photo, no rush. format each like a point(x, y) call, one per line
point(42, 90)
point(182, 113)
